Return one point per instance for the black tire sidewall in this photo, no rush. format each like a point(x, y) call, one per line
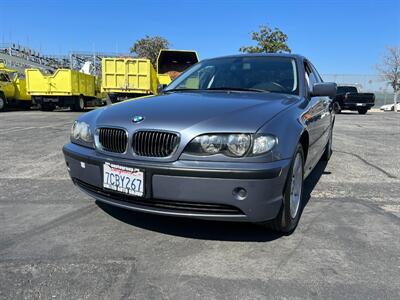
point(77, 105)
point(336, 108)
point(328, 148)
point(4, 103)
point(287, 223)
point(362, 111)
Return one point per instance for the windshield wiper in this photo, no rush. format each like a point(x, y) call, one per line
point(181, 90)
point(218, 89)
point(236, 89)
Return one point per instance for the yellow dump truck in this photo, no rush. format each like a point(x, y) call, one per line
point(64, 88)
point(127, 77)
point(13, 89)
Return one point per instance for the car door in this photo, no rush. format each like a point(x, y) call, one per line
point(314, 119)
point(326, 116)
point(6, 86)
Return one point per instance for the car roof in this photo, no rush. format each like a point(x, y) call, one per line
point(290, 55)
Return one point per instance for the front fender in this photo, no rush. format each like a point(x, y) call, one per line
point(288, 128)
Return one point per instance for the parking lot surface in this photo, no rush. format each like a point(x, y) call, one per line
point(56, 242)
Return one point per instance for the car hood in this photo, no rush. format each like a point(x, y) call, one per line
point(198, 111)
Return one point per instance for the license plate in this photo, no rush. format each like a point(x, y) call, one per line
point(122, 179)
point(360, 104)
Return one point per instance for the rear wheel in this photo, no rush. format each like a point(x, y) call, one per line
point(79, 104)
point(3, 103)
point(289, 215)
point(328, 147)
point(362, 111)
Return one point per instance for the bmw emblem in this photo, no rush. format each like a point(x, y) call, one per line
point(137, 119)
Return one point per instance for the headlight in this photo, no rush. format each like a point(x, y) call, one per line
point(81, 131)
point(211, 143)
point(263, 144)
point(234, 144)
point(238, 144)
point(75, 130)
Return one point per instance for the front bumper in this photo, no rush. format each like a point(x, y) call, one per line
point(187, 188)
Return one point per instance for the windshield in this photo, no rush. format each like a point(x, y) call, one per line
point(258, 73)
point(4, 77)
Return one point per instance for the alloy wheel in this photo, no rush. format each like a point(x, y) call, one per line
point(296, 186)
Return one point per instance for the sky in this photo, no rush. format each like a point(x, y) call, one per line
point(339, 37)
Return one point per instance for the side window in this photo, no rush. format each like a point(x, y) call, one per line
point(311, 78)
point(317, 75)
point(4, 77)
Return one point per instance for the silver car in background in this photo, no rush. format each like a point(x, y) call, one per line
point(232, 138)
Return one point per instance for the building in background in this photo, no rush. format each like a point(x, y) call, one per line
point(19, 57)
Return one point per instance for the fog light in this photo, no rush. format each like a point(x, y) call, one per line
point(239, 193)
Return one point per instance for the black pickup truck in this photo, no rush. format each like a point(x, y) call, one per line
point(348, 97)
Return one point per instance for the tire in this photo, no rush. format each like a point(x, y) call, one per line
point(362, 111)
point(3, 103)
point(328, 147)
point(337, 108)
point(289, 214)
point(79, 104)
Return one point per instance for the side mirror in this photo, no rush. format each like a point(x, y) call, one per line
point(324, 89)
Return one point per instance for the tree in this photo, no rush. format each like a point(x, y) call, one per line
point(149, 47)
point(389, 70)
point(268, 41)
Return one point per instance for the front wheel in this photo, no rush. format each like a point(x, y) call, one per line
point(3, 103)
point(337, 108)
point(289, 214)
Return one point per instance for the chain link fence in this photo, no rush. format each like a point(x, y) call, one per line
point(365, 83)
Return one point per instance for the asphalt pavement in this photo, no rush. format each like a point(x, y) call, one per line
point(56, 242)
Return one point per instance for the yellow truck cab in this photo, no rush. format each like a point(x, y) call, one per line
point(128, 77)
point(13, 88)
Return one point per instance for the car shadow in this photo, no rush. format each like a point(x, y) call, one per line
point(312, 180)
point(204, 229)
